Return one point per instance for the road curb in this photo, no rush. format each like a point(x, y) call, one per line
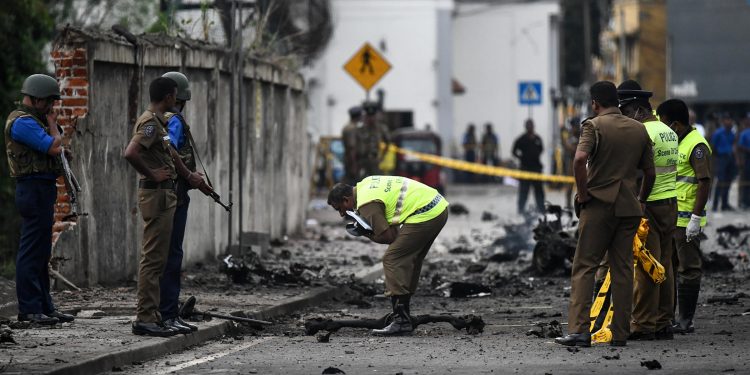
point(145, 351)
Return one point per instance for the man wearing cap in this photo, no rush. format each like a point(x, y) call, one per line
point(693, 188)
point(349, 138)
point(653, 304)
point(722, 142)
point(405, 214)
point(370, 134)
point(158, 165)
point(611, 150)
point(33, 145)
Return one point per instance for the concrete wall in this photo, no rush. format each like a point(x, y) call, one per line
point(494, 47)
point(104, 246)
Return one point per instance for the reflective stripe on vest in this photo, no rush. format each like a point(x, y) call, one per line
point(406, 201)
point(664, 141)
point(687, 183)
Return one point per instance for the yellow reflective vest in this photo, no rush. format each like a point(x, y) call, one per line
point(406, 201)
point(687, 183)
point(665, 145)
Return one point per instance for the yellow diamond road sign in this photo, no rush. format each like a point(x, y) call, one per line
point(367, 66)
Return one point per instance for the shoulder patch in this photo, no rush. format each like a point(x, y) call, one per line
point(149, 130)
point(699, 153)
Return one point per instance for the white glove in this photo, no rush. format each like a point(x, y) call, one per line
point(693, 228)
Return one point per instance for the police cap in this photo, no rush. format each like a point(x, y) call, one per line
point(630, 91)
point(355, 111)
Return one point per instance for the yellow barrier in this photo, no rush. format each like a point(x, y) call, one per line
point(481, 168)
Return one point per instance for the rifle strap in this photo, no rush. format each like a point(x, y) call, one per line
point(197, 156)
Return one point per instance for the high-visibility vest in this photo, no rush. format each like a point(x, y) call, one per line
point(406, 201)
point(665, 145)
point(687, 183)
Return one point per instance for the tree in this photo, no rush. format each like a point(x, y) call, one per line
point(26, 26)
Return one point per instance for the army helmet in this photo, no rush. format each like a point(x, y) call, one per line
point(41, 86)
point(183, 85)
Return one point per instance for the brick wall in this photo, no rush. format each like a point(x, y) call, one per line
point(71, 69)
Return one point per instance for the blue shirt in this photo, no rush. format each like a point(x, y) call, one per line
point(744, 138)
point(723, 140)
point(176, 135)
point(28, 132)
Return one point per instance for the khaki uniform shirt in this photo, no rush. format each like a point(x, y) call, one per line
point(618, 147)
point(150, 131)
point(700, 161)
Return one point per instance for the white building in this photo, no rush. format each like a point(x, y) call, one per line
point(497, 45)
point(413, 35)
point(487, 46)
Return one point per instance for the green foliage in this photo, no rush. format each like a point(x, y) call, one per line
point(26, 26)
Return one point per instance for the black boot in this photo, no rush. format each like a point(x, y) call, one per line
point(687, 300)
point(401, 323)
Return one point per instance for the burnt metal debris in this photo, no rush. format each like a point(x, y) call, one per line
point(473, 324)
point(556, 240)
point(188, 311)
point(733, 236)
point(461, 289)
point(458, 209)
point(241, 269)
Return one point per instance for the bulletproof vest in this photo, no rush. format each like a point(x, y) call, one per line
point(186, 152)
point(24, 160)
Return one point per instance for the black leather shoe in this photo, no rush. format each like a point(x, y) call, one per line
point(683, 327)
point(618, 343)
point(173, 323)
point(63, 318)
point(575, 339)
point(152, 329)
point(642, 336)
point(192, 327)
point(665, 333)
point(40, 319)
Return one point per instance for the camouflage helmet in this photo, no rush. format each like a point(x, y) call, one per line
point(41, 86)
point(183, 85)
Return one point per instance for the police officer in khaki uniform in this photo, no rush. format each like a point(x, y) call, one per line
point(693, 188)
point(370, 134)
point(611, 150)
point(158, 165)
point(33, 145)
point(408, 216)
point(653, 304)
point(349, 138)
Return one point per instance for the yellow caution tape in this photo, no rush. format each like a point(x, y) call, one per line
point(477, 168)
point(602, 308)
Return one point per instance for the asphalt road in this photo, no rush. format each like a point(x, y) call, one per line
point(518, 302)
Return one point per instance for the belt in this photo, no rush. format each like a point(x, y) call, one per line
point(662, 202)
point(429, 206)
point(147, 184)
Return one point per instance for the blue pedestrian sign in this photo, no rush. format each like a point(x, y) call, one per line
point(529, 93)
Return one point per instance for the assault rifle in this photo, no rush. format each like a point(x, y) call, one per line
point(72, 187)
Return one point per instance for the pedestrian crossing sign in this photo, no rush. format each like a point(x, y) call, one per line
point(529, 92)
point(367, 66)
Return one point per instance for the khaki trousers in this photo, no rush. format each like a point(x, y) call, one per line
point(653, 305)
point(687, 258)
point(601, 232)
point(402, 262)
point(157, 208)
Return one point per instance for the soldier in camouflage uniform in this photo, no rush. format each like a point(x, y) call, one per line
point(370, 134)
point(33, 145)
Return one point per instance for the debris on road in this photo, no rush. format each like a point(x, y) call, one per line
point(6, 335)
point(460, 289)
point(611, 357)
point(473, 324)
point(240, 270)
point(324, 338)
point(187, 311)
point(715, 262)
point(651, 365)
point(332, 370)
point(546, 330)
point(458, 209)
point(555, 242)
point(489, 216)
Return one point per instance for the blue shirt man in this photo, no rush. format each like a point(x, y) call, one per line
point(26, 130)
point(176, 133)
point(723, 140)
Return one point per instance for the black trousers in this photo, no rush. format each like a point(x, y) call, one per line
point(523, 194)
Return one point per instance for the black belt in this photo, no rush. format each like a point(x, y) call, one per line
point(147, 184)
point(662, 202)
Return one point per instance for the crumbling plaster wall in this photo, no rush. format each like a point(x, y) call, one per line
point(99, 74)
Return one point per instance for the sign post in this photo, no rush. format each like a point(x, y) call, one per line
point(367, 67)
point(530, 93)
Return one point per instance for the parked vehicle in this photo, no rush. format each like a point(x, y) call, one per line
point(423, 141)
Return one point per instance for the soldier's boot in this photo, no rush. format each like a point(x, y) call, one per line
point(401, 323)
point(687, 301)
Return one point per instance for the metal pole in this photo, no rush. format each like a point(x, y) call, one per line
point(231, 127)
point(240, 120)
